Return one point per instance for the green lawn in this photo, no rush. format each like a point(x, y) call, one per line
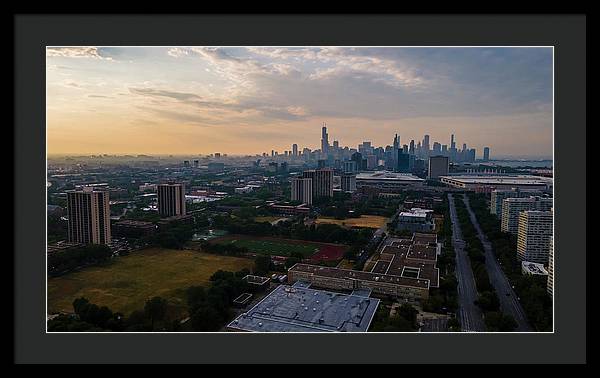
point(270, 247)
point(126, 283)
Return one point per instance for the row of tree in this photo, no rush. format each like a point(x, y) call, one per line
point(64, 261)
point(294, 229)
point(534, 298)
point(91, 317)
point(487, 300)
point(445, 298)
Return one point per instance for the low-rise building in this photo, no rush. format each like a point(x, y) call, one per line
point(175, 220)
point(404, 269)
point(62, 245)
point(388, 181)
point(289, 209)
point(490, 182)
point(302, 309)
point(416, 220)
point(533, 269)
point(133, 228)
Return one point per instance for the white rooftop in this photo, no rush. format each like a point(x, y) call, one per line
point(386, 175)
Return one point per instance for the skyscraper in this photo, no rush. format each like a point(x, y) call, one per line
point(324, 140)
point(438, 166)
point(425, 146)
point(403, 162)
point(396, 144)
point(322, 182)
point(533, 236)
point(348, 183)
point(349, 166)
point(171, 199)
point(486, 154)
point(89, 216)
point(294, 150)
point(452, 152)
point(302, 190)
point(411, 148)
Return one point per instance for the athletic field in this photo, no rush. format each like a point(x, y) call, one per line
point(126, 283)
point(365, 221)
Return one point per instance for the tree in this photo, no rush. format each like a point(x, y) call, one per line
point(155, 309)
point(453, 324)
point(291, 261)
point(196, 295)
point(206, 318)
point(409, 313)
point(137, 321)
point(488, 301)
point(262, 265)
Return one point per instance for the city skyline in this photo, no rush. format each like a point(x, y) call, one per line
point(250, 100)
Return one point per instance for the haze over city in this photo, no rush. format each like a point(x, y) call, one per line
point(250, 100)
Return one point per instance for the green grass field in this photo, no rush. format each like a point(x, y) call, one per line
point(271, 247)
point(125, 284)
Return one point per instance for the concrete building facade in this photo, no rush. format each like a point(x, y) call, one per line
point(89, 216)
point(348, 183)
point(499, 195)
point(533, 236)
point(438, 166)
point(511, 207)
point(322, 182)
point(550, 284)
point(302, 190)
point(171, 199)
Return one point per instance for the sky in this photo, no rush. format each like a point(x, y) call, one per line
point(250, 100)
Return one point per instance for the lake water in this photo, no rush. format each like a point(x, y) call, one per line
point(521, 163)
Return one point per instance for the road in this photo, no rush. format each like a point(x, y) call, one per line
point(435, 325)
point(468, 314)
point(509, 302)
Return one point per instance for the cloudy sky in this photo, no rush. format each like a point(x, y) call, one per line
point(248, 100)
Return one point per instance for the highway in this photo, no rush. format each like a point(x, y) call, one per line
point(509, 302)
point(468, 314)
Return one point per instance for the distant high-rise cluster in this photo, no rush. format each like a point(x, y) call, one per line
point(411, 157)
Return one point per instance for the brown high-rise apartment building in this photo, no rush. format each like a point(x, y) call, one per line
point(322, 182)
point(302, 190)
point(89, 216)
point(171, 199)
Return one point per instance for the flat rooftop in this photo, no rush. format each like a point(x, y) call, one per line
point(414, 258)
point(504, 180)
point(297, 309)
point(323, 271)
point(534, 268)
point(134, 223)
point(387, 176)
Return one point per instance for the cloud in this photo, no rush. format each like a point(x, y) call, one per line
point(77, 52)
point(98, 96)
